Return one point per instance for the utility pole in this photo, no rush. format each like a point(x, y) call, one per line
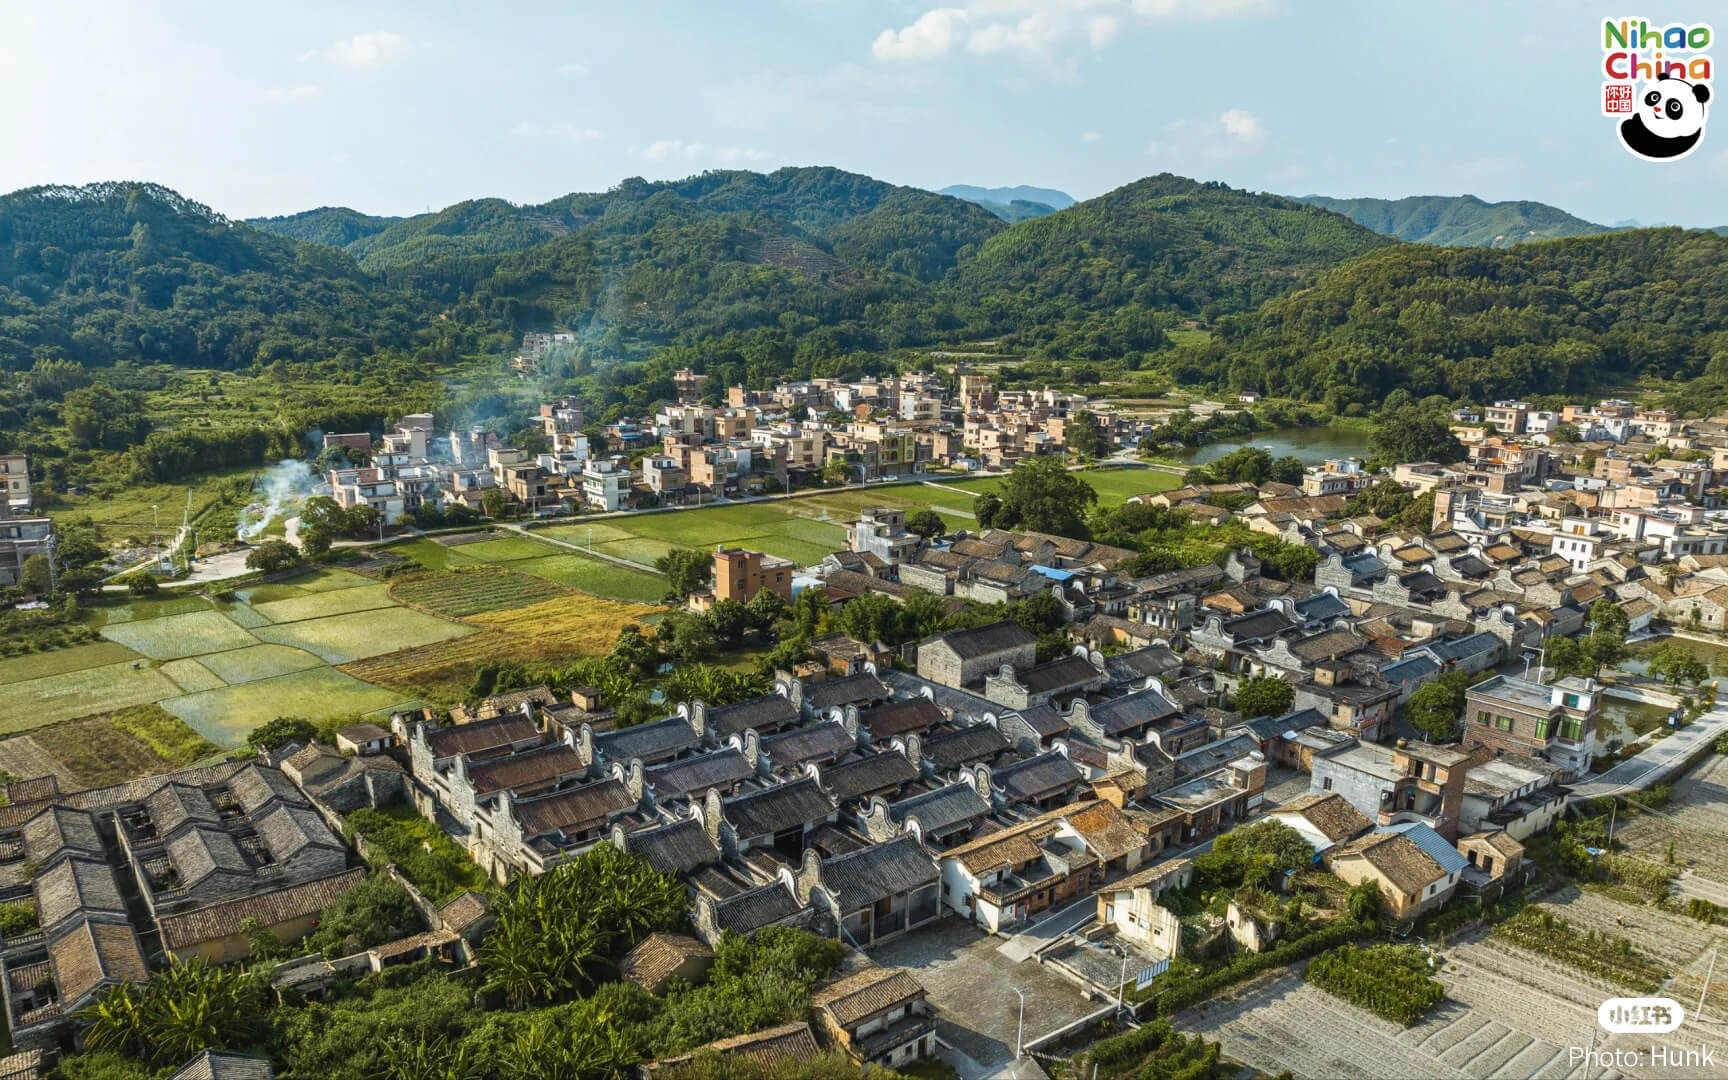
point(1121, 982)
point(1613, 809)
point(1020, 1028)
point(1707, 973)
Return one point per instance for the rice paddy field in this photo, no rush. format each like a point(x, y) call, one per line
point(550, 562)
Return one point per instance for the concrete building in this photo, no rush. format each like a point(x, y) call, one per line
point(1555, 723)
point(20, 538)
point(881, 531)
point(14, 485)
point(740, 574)
point(604, 483)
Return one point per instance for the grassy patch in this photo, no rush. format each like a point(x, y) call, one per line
point(225, 716)
point(258, 662)
point(441, 671)
point(1603, 955)
point(95, 751)
point(505, 549)
point(421, 850)
point(339, 639)
point(192, 677)
point(164, 733)
point(59, 661)
point(174, 636)
point(597, 576)
point(317, 605)
point(104, 613)
point(123, 508)
point(329, 580)
point(35, 702)
point(242, 615)
point(471, 591)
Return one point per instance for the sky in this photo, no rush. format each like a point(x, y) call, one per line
point(391, 108)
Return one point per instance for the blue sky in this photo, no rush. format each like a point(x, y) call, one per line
point(265, 109)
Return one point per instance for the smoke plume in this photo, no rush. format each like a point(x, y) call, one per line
point(279, 490)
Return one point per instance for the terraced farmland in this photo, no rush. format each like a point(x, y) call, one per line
point(472, 590)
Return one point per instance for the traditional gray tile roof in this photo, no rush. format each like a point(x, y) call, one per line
point(1067, 673)
point(877, 872)
point(225, 1065)
point(93, 954)
point(1258, 624)
point(647, 741)
point(850, 690)
point(293, 831)
point(812, 743)
point(200, 851)
point(913, 714)
point(1153, 660)
point(173, 805)
point(952, 749)
point(695, 775)
point(270, 909)
point(76, 885)
point(679, 847)
point(752, 909)
point(1043, 719)
point(776, 809)
point(1322, 605)
point(255, 785)
point(885, 771)
point(765, 712)
point(985, 640)
point(1131, 711)
point(537, 766)
point(573, 810)
point(62, 829)
point(1035, 777)
point(480, 735)
point(941, 810)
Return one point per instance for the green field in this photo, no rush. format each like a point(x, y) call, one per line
point(475, 590)
point(504, 549)
point(597, 576)
point(174, 636)
point(33, 703)
point(192, 677)
point(316, 605)
point(337, 639)
point(104, 613)
point(78, 657)
point(258, 662)
point(224, 716)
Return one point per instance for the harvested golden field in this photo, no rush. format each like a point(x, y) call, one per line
point(578, 622)
point(441, 659)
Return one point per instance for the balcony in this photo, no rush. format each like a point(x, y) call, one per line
point(919, 1021)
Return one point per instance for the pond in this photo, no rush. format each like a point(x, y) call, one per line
point(1716, 656)
point(1310, 444)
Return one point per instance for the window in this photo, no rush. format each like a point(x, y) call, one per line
point(1482, 718)
point(1504, 723)
point(1571, 701)
point(1326, 784)
point(1572, 728)
point(1542, 727)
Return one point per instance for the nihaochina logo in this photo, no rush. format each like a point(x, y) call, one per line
point(1659, 85)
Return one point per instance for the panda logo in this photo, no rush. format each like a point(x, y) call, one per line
point(1667, 120)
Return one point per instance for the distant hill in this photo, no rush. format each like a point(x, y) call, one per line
point(336, 226)
point(1004, 196)
point(1018, 210)
point(1100, 269)
point(1459, 220)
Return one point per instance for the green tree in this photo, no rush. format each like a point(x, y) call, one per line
point(1264, 695)
point(729, 620)
point(102, 418)
point(1044, 495)
point(277, 733)
point(1413, 433)
point(1434, 709)
point(1606, 615)
point(987, 508)
point(36, 576)
point(495, 502)
point(875, 617)
point(1674, 665)
point(141, 583)
point(315, 542)
point(837, 473)
point(926, 522)
point(1567, 657)
point(685, 637)
point(272, 555)
point(1084, 437)
point(687, 570)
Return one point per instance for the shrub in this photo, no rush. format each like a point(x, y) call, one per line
point(272, 555)
point(422, 851)
point(1390, 981)
point(141, 584)
point(1606, 956)
point(1181, 995)
point(1152, 1050)
point(17, 919)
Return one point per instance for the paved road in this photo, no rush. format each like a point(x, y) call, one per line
point(1655, 762)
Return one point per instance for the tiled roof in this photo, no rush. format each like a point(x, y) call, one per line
point(1431, 842)
point(525, 769)
point(1035, 777)
point(92, 953)
point(225, 1065)
point(1131, 711)
point(984, 640)
point(860, 996)
point(763, 712)
point(1043, 719)
point(74, 885)
point(270, 909)
point(1404, 864)
point(778, 808)
point(660, 955)
point(880, 772)
point(827, 739)
point(573, 810)
point(1066, 673)
point(877, 872)
point(1329, 812)
point(255, 785)
point(647, 740)
point(695, 775)
point(61, 828)
point(1010, 847)
point(1107, 831)
point(752, 909)
point(913, 714)
point(480, 735)
point(464, 910)
point(952, 749)
point(850, 690)
point(679, 847)
point(940, 810)
point(772, 1047)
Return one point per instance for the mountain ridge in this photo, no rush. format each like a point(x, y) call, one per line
point(1459, 220)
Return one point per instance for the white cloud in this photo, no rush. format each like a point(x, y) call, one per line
point(528, 129)
point(1037, 28)
point(932, 35)
point(369, 50)
point(572, 69)
point(1241, 124)
point(293, 93)
point(683, 150)
point(1090, 136)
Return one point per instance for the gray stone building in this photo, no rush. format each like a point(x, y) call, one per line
point(965, 657)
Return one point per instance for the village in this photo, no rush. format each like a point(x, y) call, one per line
point(1016, 832)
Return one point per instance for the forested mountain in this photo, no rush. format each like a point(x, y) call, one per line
point(336, 226)
point(1017, 210)
point(1056, 200)
point(1106, 276)
point(1459, 221)
point(1557, 317)
point(135, 272)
